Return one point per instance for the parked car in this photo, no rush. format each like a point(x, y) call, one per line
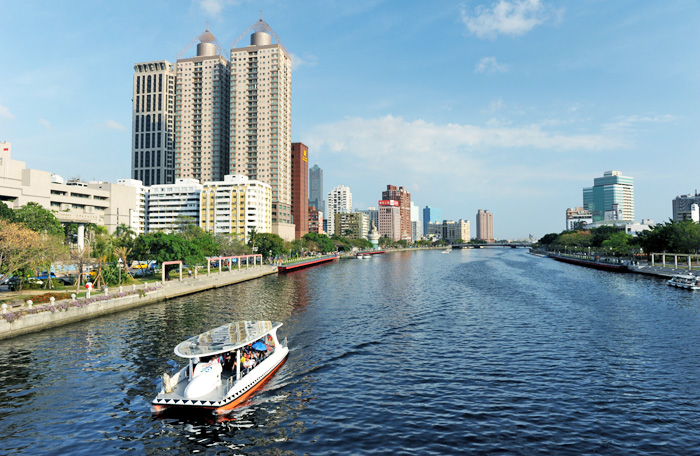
point(65, 280)
point(14, 283)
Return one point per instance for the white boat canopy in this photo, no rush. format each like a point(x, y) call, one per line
point(225, 338)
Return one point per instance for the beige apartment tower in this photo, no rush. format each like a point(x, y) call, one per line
point(484, 225)
point(201, 123)
point(261, 120)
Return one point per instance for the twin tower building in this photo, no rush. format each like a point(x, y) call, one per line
point(207, 116)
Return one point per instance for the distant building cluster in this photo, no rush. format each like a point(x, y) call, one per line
point(609, 202)
point(211, 141)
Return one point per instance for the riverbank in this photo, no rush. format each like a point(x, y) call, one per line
point(30, 318)
point(637, 267)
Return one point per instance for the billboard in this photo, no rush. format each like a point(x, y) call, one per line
point(388, 203)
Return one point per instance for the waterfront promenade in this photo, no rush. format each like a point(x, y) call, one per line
point(27, 319)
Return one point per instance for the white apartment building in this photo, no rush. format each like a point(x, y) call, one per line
point(135, 218)
point(153, 123)
point(202, 117)
point(338, 200)
point(236, 205)
point(166, 203)
point(261, 120)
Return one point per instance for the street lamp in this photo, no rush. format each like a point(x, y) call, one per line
point(120, 270)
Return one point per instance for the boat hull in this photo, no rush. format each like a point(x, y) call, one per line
point(241, 391)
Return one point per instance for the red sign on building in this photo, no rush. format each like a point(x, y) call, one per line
point(388, 203)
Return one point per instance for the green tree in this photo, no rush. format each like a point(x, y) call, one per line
point(319, 242)
point(230, 244)
point(620, 243)
point(548, 239)
point(270, 245)
point(162, 247)
point(36, 218)
point(6, 213)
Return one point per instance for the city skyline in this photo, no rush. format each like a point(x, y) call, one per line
point(532, 100)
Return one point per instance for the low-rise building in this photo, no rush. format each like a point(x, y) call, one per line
point(315, 220)
point(236, 205)
point(453, 231)
point(71, 201)
point(577, 218)
point(352, 225)
point(168, 203)
point(687, 207)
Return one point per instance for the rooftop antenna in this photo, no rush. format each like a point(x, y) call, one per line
point(206, 37)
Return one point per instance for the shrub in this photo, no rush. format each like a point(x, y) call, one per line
point(43, 299)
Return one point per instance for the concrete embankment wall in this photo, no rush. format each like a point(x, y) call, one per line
point(67, 312)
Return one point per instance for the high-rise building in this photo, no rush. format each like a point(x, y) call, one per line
point(611, 197)
point(339, 200)
point(416, 225)
point(431, 214)
point(316, 188)
point(389, 219)
point(201, 122)
point(261, 120)
point(153, 123)
point(401, 195)
point(484, 225)
point(300, 189)
point(687, 207)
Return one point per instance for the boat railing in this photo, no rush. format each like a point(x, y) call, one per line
point(284, 344)
point(230, 382)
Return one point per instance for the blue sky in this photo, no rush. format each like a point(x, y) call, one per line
point(512, 105)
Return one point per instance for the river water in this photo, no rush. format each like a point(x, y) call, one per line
point(488, 351)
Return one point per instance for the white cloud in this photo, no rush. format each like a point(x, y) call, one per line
point(45, 123)
point(5, 113)
point(629, 122)
point(114, 125)
point(505, 17)
point(297, 61)
point(212, 7)
point(389, 133)
point(490, 65)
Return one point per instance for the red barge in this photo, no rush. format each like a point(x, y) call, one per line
point(595, 264)
point(306, 263)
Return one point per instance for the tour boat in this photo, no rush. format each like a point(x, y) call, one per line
point(225, 366)
point(687, 281)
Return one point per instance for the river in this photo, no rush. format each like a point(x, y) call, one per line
point(489, 351)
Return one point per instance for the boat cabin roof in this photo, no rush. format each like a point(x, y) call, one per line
point(684, 276)
point(225, 338)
